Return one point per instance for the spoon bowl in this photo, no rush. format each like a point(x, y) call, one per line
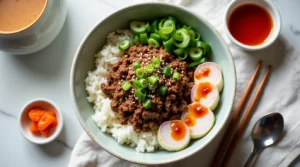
point(266, 131)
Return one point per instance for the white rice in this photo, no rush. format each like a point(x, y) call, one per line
point(104, 117)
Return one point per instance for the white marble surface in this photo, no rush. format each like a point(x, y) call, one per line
point(46, 74)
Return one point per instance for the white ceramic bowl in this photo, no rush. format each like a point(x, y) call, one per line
point(24, 121)
point(38, 35)
point(264, 4)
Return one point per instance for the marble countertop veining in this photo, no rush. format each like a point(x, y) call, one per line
point(46, 74)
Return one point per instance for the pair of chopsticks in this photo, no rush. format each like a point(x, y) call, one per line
point(233, 136)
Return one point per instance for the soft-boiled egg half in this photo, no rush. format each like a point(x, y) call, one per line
point(206, 93)
point(173, 135)
point(199, 119)
point(209, 72)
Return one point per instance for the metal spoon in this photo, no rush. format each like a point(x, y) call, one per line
point(266, 132)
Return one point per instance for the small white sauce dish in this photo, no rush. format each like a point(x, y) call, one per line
point(269, 7)
point(24, 121)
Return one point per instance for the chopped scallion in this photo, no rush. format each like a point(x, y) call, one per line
point(126, 85)
point(176, 76)
point(139, 73)
point(136, 65)
point(163, 90)
point(147, 104)
point(155, 62)
point(167, 71)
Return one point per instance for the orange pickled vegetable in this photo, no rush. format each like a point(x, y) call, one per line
point(45, 121)
point(54, 124)
point(35, 115)
point(46, 132)
point(34, 128)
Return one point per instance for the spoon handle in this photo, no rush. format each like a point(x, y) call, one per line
point(252, 155)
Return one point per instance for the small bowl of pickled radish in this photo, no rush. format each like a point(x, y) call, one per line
point(40, 121)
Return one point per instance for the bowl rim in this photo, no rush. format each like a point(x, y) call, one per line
point(58, 130)
point(72, 88)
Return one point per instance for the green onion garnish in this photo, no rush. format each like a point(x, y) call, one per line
point(137, 84)
point(138, 27)
point(185, 39)
point(195, 53)
point(176, 76)
point(147, 104)
point(148, 27)
point(153, 42)
point(140, 94)
point(196, 63)
point(144, 83)
point(204, 46)
point(153, 79)
point(152, 87)
point(136, 38)
point(144, 38)
point(167, 71)
point(155, 36)
point(166, 26)
point(156, 62)
point(124, 45)
point(139, 73)
point(149, 69)
point(163, 90)
point(126, 85)
point(154, 26)
point(168, 45)
point(136, 65)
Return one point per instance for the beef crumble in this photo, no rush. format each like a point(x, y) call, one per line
point(164, 108)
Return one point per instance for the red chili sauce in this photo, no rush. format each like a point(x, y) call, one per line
point(250, 24)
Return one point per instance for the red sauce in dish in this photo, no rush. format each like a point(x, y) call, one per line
point(196, 110)
point(250, 24)
point(202, 74)
point(178, 130)
point(202, 91)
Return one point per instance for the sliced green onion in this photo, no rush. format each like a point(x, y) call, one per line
point(178, 51)
point(167, 71)
point(196, 63)
point(154, 26)
point(136, 38)
point(187, 27)
point(139, 73)
point(144, 38)
point(153, 79)
point(184, 55)
point(152, 87)
point(124, 45)
point(147, 104)
point(164, 37)
point(195, 53)
point(168, 45)
point(163, 90)
point(148, 27)
point(176, 76)
point(138, 27)
point(140, 94)
point(155, 62)
point(177, 36)
point(137, 84)
point(144, 83)
point(155, 36)
point(153, 43)
point(166, 26)
point(149, 69)
point(136, 65)
point(195, 39)
point(192, 34)
point(126, 85)
point(185, 41)
point(205, 47)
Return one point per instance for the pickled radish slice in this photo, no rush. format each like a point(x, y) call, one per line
point(199, 119)
point(206, 93)
point(34, 128)
point(209, 72)
point(173, 135)
point(46, 121)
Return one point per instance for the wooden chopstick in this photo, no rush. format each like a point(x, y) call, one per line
point(236, 118)
point(246, 118)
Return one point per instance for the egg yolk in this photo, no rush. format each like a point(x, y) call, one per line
point(202, 91)
point(202, 74)
point(178, 130)
point(196, 110)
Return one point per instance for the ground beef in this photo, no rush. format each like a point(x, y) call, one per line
point(164, 108)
